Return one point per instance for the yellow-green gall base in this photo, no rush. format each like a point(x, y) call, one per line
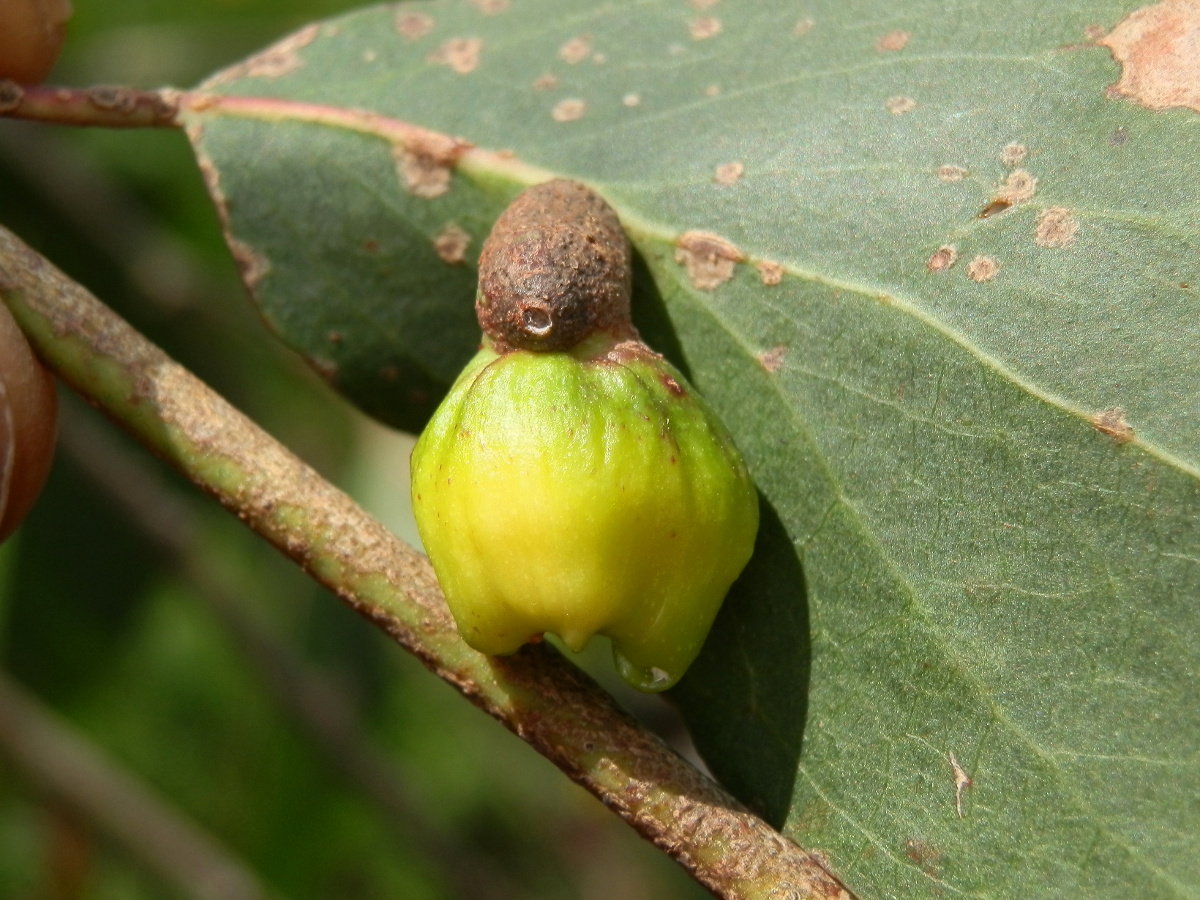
point(580, 493)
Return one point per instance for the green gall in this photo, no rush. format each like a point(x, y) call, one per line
point(582, 490)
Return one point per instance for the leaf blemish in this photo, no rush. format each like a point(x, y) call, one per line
point(892, 41)
point(1056, 227)
point(1159, 54)
point(576, 50)
point(631, 99)
point(951, 174)
point(942, 259)
point(568, 110)
point(451, 244)
point(729, 173)
point(962, 781)
point(982, 268)
point(547, 81)
point(422, 174)
point(704, 28)
point(803, 27)
point(460, 54)
point(276, 61)
point(1018, 187)
point(897, 106)
point(1112, 423)
point(925, 856)
point(250, 262)
point(770, 272)
point(1013, 153)
point(708, 259)
point(773, 359)
point(413, 25)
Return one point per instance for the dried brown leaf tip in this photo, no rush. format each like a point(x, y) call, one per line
point(770, 272)
point(460, 54)
point(451, 244)
point(1158, 48)
point(729, 173)
point(943, 258)
point(707, 258)
point(704, 28)
point(576, 50)
point(1056, 227)
point(773, 359)
point(413, 25)
point(1112, 423)
point(892, 41)
point(982, 268)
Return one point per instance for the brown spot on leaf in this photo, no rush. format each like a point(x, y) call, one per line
point(803, 27)
point(276, 61)
point(1095, 32)
point(1056, 227)
point(460, 54)
point(995, 208)
point(413, 25)
point(708, 259)
point(712, 90)
point(729, 173)
point(545, 82)
point(1158, 48)
point(631, 99)
point(892, 41)
point(950, 174)
point(773, 359)
point(451, 244)
point(491, 7)
point(1013, 153)
point(568, 110)
point(252, 264)
point(422, 174)
point(982, 268)
point(899, 105)
point(576, 50)
point(770, 272)
point(1112, 423)
point(924, 855)
point(704, 28)
point(1018, 187)
point(943, 258)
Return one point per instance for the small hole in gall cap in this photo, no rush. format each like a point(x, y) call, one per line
point(536, 321)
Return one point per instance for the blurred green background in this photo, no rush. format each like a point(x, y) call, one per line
point(176, 644)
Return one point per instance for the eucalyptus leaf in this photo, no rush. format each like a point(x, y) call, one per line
point(943, 285)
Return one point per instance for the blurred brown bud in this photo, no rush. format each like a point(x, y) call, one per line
point(28, 423)
point(31, 34)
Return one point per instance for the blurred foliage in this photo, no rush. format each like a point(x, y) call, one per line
point(98, 622)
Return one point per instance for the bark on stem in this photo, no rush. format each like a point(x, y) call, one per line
point(535, 693)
